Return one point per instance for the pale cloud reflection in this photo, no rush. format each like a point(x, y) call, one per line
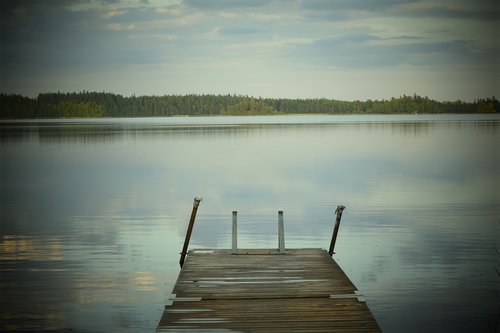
point(145, 281)
point(35, 248)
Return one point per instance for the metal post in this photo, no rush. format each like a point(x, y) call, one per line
point(338, 211)
point(235, 233)
point(281, 233)
point(196, 203)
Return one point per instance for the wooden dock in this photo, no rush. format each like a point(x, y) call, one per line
point(259, 290)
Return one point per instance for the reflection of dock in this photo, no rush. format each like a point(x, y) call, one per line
point(264, 290)
point(299, 290)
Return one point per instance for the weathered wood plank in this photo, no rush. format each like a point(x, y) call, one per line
point(261, 290)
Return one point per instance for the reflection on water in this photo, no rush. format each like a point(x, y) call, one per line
point(15, 248)
point(88, 131)
point(94, 212)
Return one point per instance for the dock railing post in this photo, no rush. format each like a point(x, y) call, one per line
point(338, 211)
point(281, 233)
point(235, 233)
point(196, 203)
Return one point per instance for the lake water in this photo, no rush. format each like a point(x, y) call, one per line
point(94, 212)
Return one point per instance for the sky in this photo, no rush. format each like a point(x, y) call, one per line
point(337, 49)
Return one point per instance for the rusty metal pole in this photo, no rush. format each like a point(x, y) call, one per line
point(338, 211)
point(281, 233)
point(196, 203)
point(234, 247)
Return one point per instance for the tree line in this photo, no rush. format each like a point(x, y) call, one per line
point(104, 104)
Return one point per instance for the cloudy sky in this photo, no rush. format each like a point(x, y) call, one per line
point(341, 49)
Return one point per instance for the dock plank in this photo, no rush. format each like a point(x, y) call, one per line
point(262, 290)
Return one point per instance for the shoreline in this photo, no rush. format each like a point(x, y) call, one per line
point(179, 119)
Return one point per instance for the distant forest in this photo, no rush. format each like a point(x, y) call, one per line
point(103, 104)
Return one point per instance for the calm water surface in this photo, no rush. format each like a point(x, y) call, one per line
point(94, 212)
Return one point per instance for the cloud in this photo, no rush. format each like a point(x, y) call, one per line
point(342, 9)
point(225, 4)
point(112, 12)
point(229, 15)
point(240, 30)
point(351, 5)
point(120, 27)
point(369, 51)
point(483, 11)
point(266, 17)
